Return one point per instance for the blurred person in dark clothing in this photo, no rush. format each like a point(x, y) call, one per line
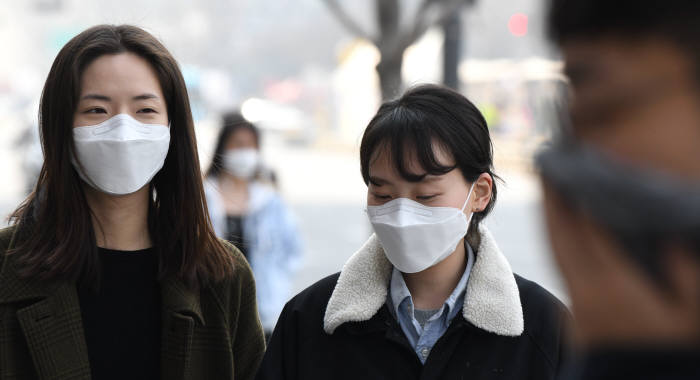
point(622, 186)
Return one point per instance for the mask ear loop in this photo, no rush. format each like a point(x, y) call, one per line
point(471, 188)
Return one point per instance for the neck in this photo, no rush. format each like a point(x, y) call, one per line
point(120, 221)
point(431, 287)
point(230, 178)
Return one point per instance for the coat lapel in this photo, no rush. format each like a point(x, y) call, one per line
point(53, 329)
point(181, 312)
point(51, 324)
point(492, 300)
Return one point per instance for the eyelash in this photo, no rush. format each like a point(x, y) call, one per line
point(420, 197)
point(102, 110)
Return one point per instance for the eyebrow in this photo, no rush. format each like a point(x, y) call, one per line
point(105, 98)
point(96, 97)
point(431, 178)
point(145, 97)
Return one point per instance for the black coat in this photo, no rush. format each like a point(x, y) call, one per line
point(211, 333)
point(638, 362)
point(377, 349)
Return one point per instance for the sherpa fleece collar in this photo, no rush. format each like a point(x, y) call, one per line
point(491, 303)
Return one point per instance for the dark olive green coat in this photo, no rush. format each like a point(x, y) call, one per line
point(214, 333)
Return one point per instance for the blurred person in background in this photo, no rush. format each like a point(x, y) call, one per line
point(429, 295)
point(622, 186)
point(246, 210)
point(111, 269)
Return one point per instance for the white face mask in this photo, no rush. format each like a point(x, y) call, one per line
point(414, 236)
point(242, 163)
point(121, 154)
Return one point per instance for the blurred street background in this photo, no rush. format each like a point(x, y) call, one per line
point(311, 73)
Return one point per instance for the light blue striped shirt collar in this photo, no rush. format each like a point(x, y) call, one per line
point(422, 338)
point(399, 291)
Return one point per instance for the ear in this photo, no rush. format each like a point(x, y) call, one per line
point(481, 195)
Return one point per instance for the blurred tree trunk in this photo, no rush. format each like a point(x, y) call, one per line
point(391, 61)
point(452, 30)
point(389, 71)
point(392, 40)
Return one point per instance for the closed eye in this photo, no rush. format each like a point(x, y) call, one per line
point(147, 110)
point(426, 197)
point(380, 196)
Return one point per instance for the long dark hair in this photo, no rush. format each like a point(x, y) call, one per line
point(58, 239)
point(232, 122)
point(425, 115)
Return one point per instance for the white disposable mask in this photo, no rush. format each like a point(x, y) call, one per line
point(120, 155)
point(414, 236)
point(242, 163)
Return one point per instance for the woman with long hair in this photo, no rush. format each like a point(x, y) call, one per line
point(111, 269)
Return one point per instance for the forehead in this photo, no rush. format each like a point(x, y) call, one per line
point(123, 72)
point(241, 137)
point(242, 133)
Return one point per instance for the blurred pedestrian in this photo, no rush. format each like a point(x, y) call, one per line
point(622, 186)
point(111, 270)
point(246, 210)
point(430, 295)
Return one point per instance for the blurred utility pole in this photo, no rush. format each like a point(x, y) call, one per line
point(451, 51)
point(391, 45)
point(392, 39)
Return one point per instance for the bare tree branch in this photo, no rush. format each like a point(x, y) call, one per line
point(388, 19)
point(347, 21)
point(420, 15)
point(423, 23)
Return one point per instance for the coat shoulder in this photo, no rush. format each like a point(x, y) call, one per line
point(317, 295)
point(6, 235)
point(240, 283)
point(535, 297)
point(541, 309)
point(546, 319)
point(236, 254)
point(242, 274)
